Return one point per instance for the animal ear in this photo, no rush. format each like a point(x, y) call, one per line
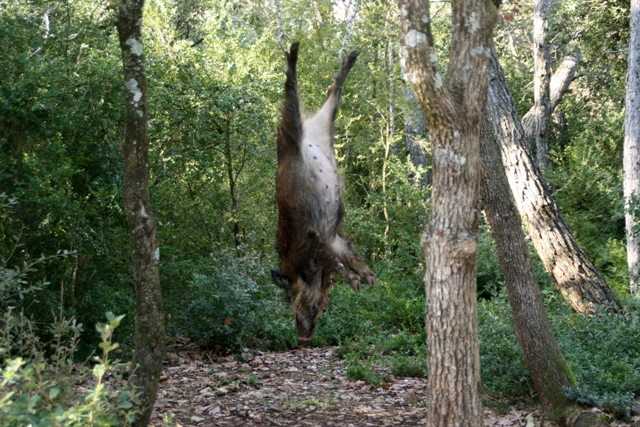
point(280, 280)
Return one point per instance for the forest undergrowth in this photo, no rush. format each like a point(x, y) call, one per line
point(215, 88)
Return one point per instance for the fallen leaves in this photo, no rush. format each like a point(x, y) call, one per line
point(304, 387)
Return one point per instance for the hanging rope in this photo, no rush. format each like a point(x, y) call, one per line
point(345, 43)
point(281, 27)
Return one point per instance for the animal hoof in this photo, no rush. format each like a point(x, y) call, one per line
point(293, 51)
point(370, 277)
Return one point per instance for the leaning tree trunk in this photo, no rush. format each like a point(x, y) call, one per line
point(574, 275)
point(149, 334)
point(452, 108)
point(549, 371)
point(631, 153)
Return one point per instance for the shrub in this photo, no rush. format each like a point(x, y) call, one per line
point(39, 392)
point(503, 371)
point(37, 387)
point(603, 352)
point(230, 304)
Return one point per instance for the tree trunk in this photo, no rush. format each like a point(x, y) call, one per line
point(631, 155)
point(538, 131)
point(549, 371)
point(145, 253)
point(560, 81)
point(228, 155)
point(452, 109)
point(574, 275)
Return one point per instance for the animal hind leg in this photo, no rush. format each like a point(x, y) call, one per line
point(335, 90)
point(290, 129)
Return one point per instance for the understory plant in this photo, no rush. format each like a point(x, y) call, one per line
point(37, 386)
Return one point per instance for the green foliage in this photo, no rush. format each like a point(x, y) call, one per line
point(216, 84)
point(358, 371)
point(409, 366)
point(489, 276)
point(604, 356)
point(40, 391)
point(225, 308)
point(504, 373)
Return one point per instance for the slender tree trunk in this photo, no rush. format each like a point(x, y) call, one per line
point(415, 131)
point(574, 275)
point(549, 371)
point(145, 253)
point(389, 144)
point(538, 131)
point(452, 108)
point(632, 147)
point(235, 223)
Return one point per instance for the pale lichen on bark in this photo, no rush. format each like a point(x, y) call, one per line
point(136, 46)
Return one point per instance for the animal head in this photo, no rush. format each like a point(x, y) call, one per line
point(307, 299)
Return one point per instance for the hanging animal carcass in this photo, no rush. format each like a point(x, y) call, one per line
point(310, 244)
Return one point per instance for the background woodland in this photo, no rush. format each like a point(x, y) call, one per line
point(215, 81)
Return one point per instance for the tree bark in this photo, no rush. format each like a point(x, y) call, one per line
point(545, 362)
point(452, 108)
point(631, 154)
point(560, 81)
point(538, 132)
point(574, 275)
point(144, 253)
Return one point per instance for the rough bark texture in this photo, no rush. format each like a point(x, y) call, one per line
point(452, 109)
point(574, 275)
point(561, 79)
point(541, 115)
point(149, 326)
point(549, 371)
point(632, 145)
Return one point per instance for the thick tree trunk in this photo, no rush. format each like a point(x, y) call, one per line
point(549, 371)
point(538, 131)
point(631, 153)
point(574, 275)
point(145, 253)
point(452, 109)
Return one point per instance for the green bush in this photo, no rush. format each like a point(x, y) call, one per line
point(39, 391)
point(359, 370)
point(603, 352)
point(230, 303)
point(37, 385)
point(503, 371)
point(409, 366)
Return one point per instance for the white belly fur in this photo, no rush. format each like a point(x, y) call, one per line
point(323, 176)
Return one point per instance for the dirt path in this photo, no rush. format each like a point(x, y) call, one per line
point(303, 387)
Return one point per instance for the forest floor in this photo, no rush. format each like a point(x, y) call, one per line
point(302, 387)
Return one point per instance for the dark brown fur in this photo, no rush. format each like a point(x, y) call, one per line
point(310, 243)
